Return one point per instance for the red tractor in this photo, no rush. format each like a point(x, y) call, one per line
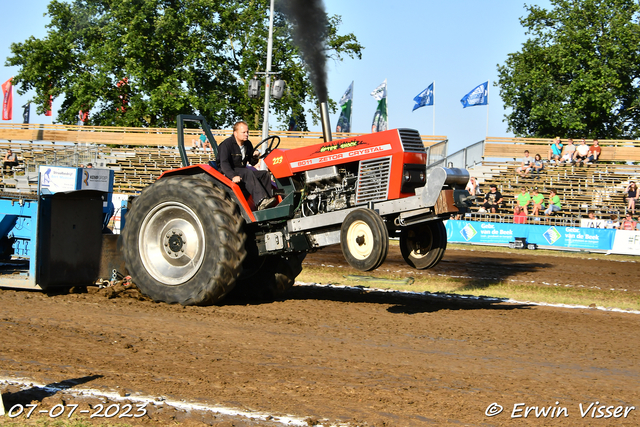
point(192, 236)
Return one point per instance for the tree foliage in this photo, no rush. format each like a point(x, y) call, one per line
point(179, 56)
point(578, 74)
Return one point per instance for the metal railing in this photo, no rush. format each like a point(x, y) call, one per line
point(561, 221)
point(63, 156)
point(463, 159)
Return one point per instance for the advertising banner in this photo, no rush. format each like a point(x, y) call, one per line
point(57, 178)
point(542, 235)
point(96, 179)
point(626, 243)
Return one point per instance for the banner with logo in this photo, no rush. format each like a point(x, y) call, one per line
point(344, 122)
point(479, 95)
point(626, 243)
point(7, 100)
point(380, 117)
point(490, 233)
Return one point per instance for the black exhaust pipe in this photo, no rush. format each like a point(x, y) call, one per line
point(326, 125)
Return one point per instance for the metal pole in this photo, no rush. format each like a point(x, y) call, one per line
point(267, 82)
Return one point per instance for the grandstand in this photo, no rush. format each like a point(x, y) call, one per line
point(594, 188)
point(139, 155)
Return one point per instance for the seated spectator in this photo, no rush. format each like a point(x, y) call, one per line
point(519, 216)
point(612, 222)
point(207, 145)
point(526, 165)
point(569, 151)
point(492, 200)
point(537, 201)
point(554, 203)
point(10, 160)
point(472, 187)
point(555, 151)
point(594, 152)
point(581, 153)
point(632, 195)
point(523, 199)
point(628, 223)
point(538, 165)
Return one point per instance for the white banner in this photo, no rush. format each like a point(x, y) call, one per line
point(626, 243)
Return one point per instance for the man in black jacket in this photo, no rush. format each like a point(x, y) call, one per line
point(234, 153)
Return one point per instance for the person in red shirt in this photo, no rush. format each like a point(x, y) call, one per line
point(519, 216)
point(628, 223)
point(594, 152)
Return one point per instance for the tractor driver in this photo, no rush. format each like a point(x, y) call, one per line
point(234, 153)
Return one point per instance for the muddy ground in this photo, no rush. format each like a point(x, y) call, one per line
point(327, 355)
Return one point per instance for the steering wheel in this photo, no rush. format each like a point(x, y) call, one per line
point(274, 142)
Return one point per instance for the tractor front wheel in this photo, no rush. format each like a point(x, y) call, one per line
point(364, 239)
point(423, 245)
point(184, 241)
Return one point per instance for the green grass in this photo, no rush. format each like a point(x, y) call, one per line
point(538, 293)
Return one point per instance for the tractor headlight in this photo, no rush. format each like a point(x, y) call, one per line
point(407, 176)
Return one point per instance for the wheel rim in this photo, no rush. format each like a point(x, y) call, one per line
point(420, 243)
point(360, 240)
point(171, 243)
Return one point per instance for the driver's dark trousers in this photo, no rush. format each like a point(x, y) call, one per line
point(256, 182)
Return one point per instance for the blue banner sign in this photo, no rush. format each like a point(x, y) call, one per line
point(491, 233)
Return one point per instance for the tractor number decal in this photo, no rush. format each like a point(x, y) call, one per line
point(277, 160)
point(340, 156)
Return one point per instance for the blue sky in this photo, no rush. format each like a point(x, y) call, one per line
point(456, 43)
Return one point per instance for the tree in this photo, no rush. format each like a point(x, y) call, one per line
point(142, 62)
point(579, 73)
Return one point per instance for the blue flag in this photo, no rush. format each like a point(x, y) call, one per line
point(478, 96)
point(424, 98)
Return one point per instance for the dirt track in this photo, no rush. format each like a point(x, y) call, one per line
point(364, 358)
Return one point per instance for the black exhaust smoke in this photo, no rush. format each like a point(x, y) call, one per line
point(310, 26)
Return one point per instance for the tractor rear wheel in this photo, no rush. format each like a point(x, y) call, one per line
point(184, 241)
point(423, 245)
point(364, 239)
point(269, 276)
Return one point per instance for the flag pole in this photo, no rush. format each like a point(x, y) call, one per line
point(487, 131)
point(433, 101)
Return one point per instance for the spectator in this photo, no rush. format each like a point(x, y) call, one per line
point(628, 223)
point(594, 152)
point(632, 195)
point(472, 187)
point(554, 203)
point(519, 216)
point(538, 165)
point(523, 200)
point(612, 222)
point(207, 145)
point(569, 151)
point(10, 160)
point(555, 151)
point(581, 153)
point(492, 200)
point(526, 165)
point(537, 201)
point(89, 165)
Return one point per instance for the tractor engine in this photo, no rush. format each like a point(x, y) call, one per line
point(328, 189)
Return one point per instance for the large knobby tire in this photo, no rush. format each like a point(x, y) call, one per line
point(423, 246)
point(267, 277)
point(184, 241)
point(364, 239)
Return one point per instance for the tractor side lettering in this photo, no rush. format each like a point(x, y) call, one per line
point(277, 160)
point(365, 151)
